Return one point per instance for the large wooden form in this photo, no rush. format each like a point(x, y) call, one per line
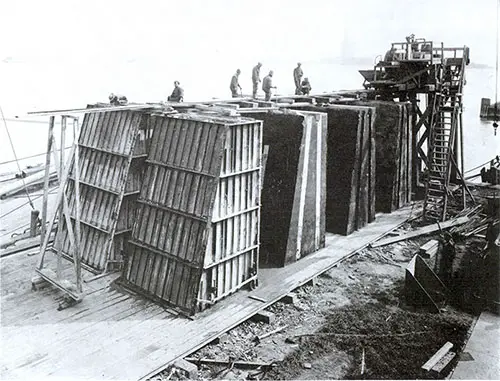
point(423, 288)
point(111, 147)
point(196, 236)
point(393, 141)
point(293, 194)
point(350, 168)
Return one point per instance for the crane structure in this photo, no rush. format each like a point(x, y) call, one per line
point(432, 78)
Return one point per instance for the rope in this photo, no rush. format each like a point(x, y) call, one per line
point(12, 232)
point(15, 156)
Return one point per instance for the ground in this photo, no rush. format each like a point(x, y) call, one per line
point(354, 322)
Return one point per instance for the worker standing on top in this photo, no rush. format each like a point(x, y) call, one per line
point(267, 85)
point(305, 87)
point(235, 85)
point(256, 79)
point(117, 100)
point(177, 93)
point(390, 55)
point(297, 78)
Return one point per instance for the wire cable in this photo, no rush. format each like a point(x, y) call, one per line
point(496, 66)
point(15, 156)
point(29, 157)
point(22, 205)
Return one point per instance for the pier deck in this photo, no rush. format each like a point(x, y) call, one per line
point(116, 335)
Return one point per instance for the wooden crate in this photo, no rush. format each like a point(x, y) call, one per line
point(293, 194)
point(112, 147)
point(350, 168)
point(196, 236)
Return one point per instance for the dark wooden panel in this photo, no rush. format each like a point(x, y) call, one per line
point(349, 195)
point(292, 219)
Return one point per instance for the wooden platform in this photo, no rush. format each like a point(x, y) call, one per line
point(115, 335)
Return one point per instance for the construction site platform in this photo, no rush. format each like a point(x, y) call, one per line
point(481, 356)
point(113, 334)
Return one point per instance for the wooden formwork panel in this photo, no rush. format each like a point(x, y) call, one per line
point(351, 166)
point(393, 141)
point(107, 171)
point(97, 249)
point(293, 194)
point(201, 190)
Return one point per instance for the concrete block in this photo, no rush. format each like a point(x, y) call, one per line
point(189, 368)
point(290, 298)
point(264, 316)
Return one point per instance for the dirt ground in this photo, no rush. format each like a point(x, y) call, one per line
point(354, 322)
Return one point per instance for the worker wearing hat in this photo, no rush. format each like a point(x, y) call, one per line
point(297, 78)
point(256, 79)
point(235, 85)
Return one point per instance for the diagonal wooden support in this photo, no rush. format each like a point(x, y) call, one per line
point(67, 218)
point(50, 139)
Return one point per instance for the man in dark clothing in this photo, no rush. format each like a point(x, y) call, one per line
point(267, 85)
point(177, 93)
point(234, 86)
point(305, 87)
point(297, 78)
point(256, 79)
point(390, 55)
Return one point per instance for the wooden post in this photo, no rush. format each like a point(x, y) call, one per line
point(77, 253)
point(59, 198)
point(43, 229)
point(461, 135)
point(60, 210)
point(33, 222)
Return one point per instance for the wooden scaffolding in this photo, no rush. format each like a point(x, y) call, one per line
point(432, 78)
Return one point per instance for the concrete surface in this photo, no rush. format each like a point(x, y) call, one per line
point(484, 347)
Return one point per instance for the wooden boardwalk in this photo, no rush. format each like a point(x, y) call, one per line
point(116, 335)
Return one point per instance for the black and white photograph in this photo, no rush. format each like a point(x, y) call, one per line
point(249, 190)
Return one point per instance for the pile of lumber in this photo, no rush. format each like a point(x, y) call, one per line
point(350, 168)
point(293, 194)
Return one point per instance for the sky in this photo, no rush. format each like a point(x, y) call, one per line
point(91, 46)
point(236, 30)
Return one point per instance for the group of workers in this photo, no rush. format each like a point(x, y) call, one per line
point(302, 86)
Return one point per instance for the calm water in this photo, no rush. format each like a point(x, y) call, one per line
point(26, 87)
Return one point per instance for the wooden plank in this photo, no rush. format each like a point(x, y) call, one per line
point(443, 362)
point(128, 352)
point(421, 231)
point(437, 356)
point(46, 181)
point(77, 250)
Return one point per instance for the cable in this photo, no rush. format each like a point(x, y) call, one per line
point(496, 76)
point(15, 156)
point(20, 206)
point(29, 157)
point(479, 166)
